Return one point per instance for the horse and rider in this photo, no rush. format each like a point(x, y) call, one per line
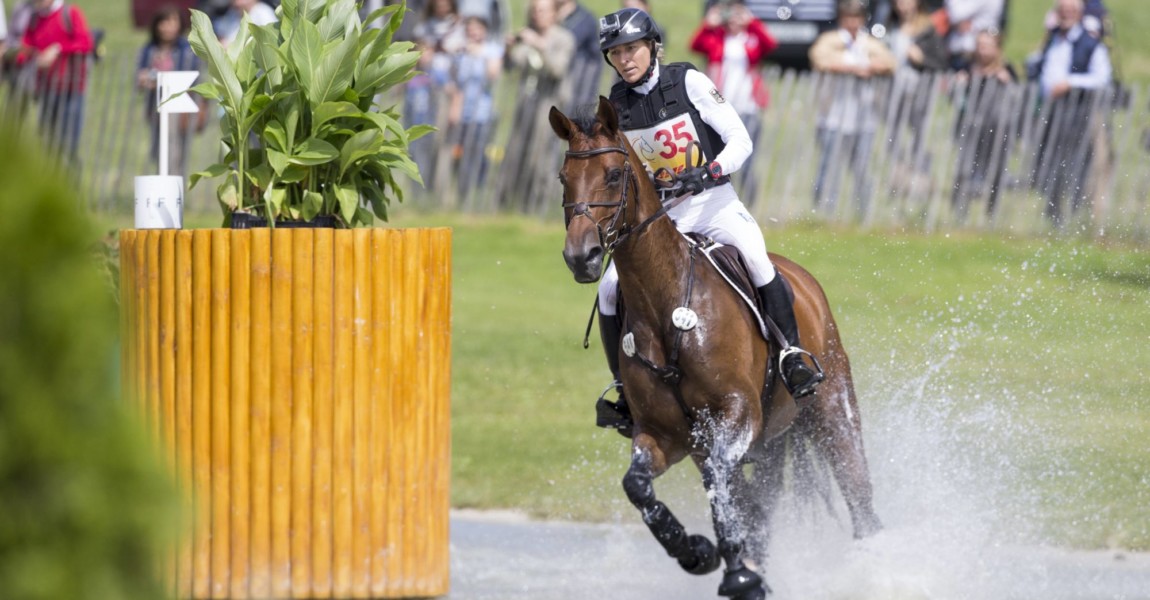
point(662, 108)
point(706, 357)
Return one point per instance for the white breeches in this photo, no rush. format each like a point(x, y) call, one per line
point(718, 214)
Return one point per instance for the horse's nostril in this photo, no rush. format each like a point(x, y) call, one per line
point(594, 254)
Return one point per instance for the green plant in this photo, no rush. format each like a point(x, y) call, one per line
point(301, 130)
point(88, 512)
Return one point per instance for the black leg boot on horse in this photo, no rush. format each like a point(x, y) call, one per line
point(613, 415)
point(799, 378)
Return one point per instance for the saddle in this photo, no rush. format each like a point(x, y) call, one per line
point(729, 262)
point(731, 265)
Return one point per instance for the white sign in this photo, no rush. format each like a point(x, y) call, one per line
point(159, 202)
point(170, 87)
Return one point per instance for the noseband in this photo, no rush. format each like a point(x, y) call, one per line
point(612, 236)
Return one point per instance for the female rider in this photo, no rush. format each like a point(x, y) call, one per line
point(662, 108)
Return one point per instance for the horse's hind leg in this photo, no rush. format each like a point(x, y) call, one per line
point(759, 495)
point(833, 422)
point(695, 553)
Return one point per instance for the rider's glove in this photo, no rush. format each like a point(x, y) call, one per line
point(694, 178)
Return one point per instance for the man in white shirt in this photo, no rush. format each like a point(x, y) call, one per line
point(1074, 74)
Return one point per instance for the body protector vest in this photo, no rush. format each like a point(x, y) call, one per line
point(660, 125)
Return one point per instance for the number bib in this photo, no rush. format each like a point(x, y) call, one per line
point(665, 144)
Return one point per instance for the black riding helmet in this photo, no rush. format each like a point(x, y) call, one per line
point(626, 26)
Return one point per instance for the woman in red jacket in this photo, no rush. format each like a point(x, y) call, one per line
point(735, 44)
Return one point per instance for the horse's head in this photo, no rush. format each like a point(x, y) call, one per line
point(598, 183)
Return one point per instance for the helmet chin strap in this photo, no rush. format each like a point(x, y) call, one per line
point(645, 77)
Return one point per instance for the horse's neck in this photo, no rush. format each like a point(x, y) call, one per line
point(652, 266)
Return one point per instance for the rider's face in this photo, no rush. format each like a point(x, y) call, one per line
point(631, 60)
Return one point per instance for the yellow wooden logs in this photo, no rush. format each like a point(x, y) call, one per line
point(298, 382)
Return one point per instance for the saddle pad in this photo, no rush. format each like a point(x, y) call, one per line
point(728, 261)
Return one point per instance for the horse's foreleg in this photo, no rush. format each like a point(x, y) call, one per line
point(724, 479)
point(695, 553)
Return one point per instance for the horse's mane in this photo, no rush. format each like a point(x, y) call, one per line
point(585, 117)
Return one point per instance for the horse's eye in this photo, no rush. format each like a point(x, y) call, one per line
point(562, 179)
point(613, 176)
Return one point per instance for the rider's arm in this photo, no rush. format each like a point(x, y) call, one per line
point(718, 113)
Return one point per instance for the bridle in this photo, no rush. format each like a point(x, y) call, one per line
point(614, 234)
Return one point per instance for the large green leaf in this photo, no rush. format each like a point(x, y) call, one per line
point(348, 198)
point(267, 53)
point(305, 51)
point(210, 173)
point(314, 152)
point(312, 205)
point(334, 73)
point(276, 136)
point(341, 19)
point(395, 67)
point(278, 161)
point(207, 47)
point(359, 146)
point(329, 111)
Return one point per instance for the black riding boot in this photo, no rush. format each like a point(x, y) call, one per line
point(612, 415)
point(798, 377)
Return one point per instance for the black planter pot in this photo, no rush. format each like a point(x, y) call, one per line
point(242, 220)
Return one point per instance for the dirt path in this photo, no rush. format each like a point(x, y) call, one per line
point(503, 556)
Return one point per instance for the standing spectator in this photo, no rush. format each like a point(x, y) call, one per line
point(441, 31)
point(587, 64)
point(986, 86)
point(228, 26)
point(420, 107)
point(735, 45)
point(1073, 74)
point(57, 43)
point(167, 49)
point(967, 18)
point(849, 58)
point(439, 36)
point(542, 53)
point(919, 51)
point(474, 73)
point(3, 29)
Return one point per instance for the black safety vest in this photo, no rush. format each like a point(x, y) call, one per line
point(665, 102)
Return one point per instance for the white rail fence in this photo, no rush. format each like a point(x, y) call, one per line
point(936, 152)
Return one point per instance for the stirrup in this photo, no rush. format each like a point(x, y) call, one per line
point(817, 375)
point(613, 415)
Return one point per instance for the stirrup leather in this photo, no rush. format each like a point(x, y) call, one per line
point(816, 379)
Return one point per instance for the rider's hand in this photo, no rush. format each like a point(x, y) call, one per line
point(694, 178)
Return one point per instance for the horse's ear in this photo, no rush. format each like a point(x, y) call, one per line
point(607, 116)
point(560, 124)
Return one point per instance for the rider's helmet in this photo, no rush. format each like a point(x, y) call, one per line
point(626, 26)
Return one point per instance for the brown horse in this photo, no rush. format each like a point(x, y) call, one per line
point(701, 389)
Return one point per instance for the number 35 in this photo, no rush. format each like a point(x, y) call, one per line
point(677, 134)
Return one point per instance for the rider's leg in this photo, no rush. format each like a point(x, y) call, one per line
point(799, 378)
point(612, 415)
point(726, 220)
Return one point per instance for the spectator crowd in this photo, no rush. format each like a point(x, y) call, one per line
point(884, 61)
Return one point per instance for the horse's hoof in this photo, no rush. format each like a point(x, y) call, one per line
point(742, 584)
point(703, 559)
